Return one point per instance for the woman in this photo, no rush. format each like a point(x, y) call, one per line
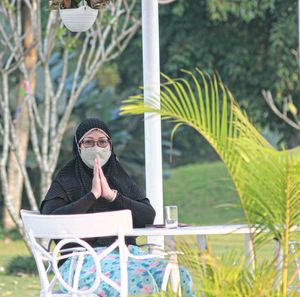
point(94, 181)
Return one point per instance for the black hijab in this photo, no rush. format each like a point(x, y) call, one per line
point(76, 177)
point(116, 176)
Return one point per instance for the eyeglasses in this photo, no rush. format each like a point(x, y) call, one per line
point(87, 143)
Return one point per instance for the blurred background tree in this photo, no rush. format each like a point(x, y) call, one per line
point(251, 44)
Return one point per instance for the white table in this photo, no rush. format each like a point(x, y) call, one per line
point(192, 230)
point(201, 233)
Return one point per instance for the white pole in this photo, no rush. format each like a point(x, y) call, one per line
point(151, 75)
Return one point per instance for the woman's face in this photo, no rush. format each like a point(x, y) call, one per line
point(95, 137)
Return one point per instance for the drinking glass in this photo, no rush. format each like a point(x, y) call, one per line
point(171, 216)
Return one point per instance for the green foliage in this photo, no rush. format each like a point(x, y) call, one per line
point(70, 42)
point(60, 32)
point(246, 10)
point(12, 234)
point(267, 180)
point(7, 5)
point(227, 275)
point(22, 265)
point(108, 75)
point(252, 44)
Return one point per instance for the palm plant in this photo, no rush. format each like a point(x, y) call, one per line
point(267, 180)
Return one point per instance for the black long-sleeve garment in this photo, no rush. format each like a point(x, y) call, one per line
point(70, 191)
point(66, 196)
point(68, 201)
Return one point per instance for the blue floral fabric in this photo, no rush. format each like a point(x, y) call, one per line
point(144, 276)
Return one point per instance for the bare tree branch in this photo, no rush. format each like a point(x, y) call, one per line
point(14, 147)
point(282, 115)
point(34, 135)
point(58, 94)
point(5, 150)
point(5, 110)
point(165, 1)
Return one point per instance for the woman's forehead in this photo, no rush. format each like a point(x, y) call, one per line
point(94, 133)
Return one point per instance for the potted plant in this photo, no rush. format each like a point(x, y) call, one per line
point(79, 16)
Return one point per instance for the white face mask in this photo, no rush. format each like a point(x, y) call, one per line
point(88, 155)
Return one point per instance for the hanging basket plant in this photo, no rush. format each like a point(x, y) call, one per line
point(98, 4)
point(82, 18)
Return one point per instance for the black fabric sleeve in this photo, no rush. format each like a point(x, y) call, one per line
point(60, 206)
point(58, 202)
point(142, 211)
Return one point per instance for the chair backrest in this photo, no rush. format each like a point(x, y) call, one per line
point(70, 229)
point(78, 225)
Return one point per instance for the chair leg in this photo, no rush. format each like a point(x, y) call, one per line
point(123, 268)
point(175, 276)
point(166, 277)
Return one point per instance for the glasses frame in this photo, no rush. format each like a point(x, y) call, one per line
point(95, 142)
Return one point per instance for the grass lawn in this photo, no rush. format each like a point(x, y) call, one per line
point(16, 285)
point(200, 191)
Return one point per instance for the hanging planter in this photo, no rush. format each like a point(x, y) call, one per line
point(98, 4)
point(78, 19)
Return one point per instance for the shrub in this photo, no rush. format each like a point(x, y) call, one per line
point(12, 234)
point(21, 265)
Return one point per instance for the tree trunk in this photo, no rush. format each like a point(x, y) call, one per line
point(15, 178)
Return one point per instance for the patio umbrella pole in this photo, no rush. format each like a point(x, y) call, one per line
point(151, 76)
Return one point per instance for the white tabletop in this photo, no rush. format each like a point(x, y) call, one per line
point(192, 230)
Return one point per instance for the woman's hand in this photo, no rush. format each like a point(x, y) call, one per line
point(107, 192)
point(96, 183)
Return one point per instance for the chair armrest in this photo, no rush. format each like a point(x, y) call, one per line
point(79, 252)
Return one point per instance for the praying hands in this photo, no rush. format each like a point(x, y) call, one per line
point(100, 186)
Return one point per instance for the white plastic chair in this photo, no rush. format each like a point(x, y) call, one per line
point(69, 229)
